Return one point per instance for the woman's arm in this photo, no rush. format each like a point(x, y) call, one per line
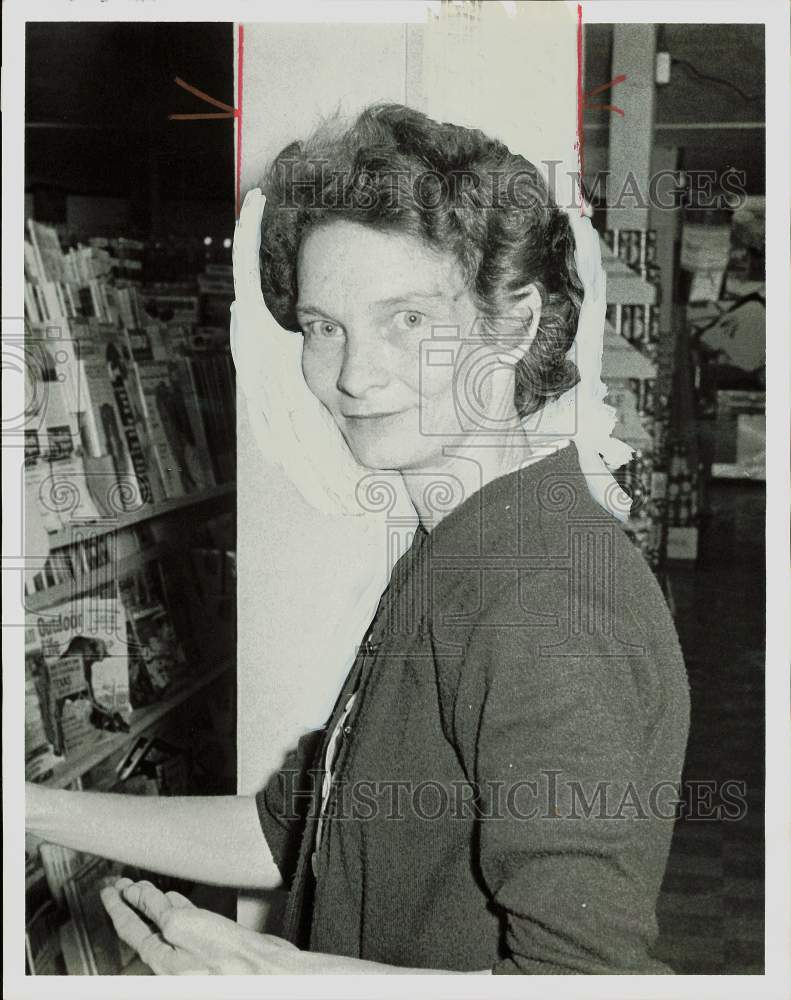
point(579, 757)
point(212, 839)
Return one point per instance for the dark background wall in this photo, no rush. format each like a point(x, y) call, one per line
point(97, 100)
point(732, 56)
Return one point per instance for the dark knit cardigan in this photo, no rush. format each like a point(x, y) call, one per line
point(504, 795)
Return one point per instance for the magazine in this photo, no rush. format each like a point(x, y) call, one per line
point(171, 343)
point(156, 657)
point(168, 424)
point(211, 371)
point(47, 253)
point(84, 648)
point(39, 755)
point(115, 422)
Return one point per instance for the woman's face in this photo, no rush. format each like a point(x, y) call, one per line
point(383, 318)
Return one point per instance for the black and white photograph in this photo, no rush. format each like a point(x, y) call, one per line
point(396, 497)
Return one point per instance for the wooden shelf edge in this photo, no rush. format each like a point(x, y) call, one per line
point(60, 539)
point(142, 720)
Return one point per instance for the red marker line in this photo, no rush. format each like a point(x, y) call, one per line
point(580, 104)
point(606, 86)
point(203, 96)
point(238, 112)
point(201, 117)
point(589, 105)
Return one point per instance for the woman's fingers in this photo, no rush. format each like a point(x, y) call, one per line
point(127, 924)
point(272, 940)
point(180, 922)
point(149, 945)
point(178, 900)
point(190, 941)
point(150, 901)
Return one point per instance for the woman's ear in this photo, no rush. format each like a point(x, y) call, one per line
point(519, 329)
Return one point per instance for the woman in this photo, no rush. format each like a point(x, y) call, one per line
point(494, 789)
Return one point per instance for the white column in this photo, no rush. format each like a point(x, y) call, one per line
point(631, 137)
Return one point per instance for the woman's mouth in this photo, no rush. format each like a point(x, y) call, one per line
point(370, 416)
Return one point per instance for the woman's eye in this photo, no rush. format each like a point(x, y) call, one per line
point(409, 319)
point(323, 328)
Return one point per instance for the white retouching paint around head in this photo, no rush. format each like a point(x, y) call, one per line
point(514, 75)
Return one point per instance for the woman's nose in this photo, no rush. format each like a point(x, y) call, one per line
point(362, 369)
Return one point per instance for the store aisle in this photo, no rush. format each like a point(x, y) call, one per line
point(712, 904)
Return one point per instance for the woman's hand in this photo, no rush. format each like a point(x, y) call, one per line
point(175, 938)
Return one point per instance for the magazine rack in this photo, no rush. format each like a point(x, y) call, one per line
point(129, 573)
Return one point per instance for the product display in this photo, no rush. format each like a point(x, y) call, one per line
point(130, 548)
point(633, 314)
point(157, 415)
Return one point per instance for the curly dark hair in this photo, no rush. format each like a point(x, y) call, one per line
point(454, 188)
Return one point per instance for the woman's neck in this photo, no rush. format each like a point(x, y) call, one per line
point(463, 469)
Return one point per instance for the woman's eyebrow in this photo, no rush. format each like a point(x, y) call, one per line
point(405, 298)
point(311, 309)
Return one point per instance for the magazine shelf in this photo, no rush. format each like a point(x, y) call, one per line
point(85, 583)
point(148, 512)
point(79, 582)
point(129, 560)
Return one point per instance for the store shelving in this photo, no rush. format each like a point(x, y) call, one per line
point(147, 512)
point(143, 720)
